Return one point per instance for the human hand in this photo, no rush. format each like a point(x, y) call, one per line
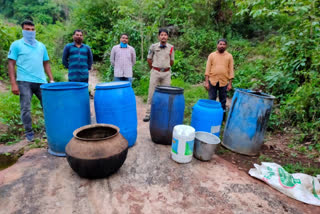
point(206, 85)
point(229, 87)
point(15, 89)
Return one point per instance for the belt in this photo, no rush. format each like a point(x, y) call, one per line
point(161, 69)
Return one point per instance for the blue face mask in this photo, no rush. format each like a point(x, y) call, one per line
point(29, 37)
point(122, 45)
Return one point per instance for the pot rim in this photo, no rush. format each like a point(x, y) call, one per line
point(75, 132)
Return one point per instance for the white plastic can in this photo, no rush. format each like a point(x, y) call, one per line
point(182, 143)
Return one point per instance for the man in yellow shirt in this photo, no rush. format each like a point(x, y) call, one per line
point(219, 73)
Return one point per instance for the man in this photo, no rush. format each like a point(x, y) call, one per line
point(77, 58)
point(32, 62)
point(160, 59)
point(123, 58)
point(219, 73)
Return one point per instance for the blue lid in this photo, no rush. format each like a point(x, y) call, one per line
point(114, 84)
point(64, 86)
point(209, 103)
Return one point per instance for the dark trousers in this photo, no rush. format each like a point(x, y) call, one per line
point(222, 94)
point(27, 89)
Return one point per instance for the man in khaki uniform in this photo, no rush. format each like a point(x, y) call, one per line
point(160, 59)
point(219, 73)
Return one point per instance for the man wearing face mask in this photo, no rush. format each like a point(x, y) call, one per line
point(32, 61)
point(123, 58)
point(77, 58)
point(160, 59)
point(219, 73)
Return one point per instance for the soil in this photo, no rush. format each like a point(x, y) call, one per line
point(274, 150)
point(3, 87)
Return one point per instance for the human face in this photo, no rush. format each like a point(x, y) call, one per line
point(222, 46)
point(163, 37)
point(124, 39)
point(28, 28)
point(77, 37)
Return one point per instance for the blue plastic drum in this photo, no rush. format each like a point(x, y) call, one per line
point(66, 108)
point(207, 116)
point(167, 111)
point(115, 103)
point(247, 121)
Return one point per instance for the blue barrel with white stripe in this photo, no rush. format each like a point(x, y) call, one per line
point(66, 108)
point(207, 116)
point(115, 103)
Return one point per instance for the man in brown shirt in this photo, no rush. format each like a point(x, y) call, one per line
point(160, 59)
point(219, 73)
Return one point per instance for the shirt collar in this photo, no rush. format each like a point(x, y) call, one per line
point(29, 44)
point(74, 44)
point(166, 45)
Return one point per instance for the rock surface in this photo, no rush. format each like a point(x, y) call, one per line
point(148, 182)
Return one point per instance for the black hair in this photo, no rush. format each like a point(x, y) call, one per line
point(222, 40)
point(27, 22)
point(124, 34)
point(163, 30)
point(78, 30)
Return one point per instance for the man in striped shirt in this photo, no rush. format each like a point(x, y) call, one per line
point(123, 58)
point(77, 57)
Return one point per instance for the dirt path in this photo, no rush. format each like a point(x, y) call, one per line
point(148, 182)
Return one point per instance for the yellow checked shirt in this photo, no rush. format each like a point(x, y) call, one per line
point(161, 56)
point(220, 68)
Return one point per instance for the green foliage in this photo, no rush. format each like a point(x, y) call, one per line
point(7, 35)
point(301, 168)
point(141, 87)
point(38, 143)
point(296, 64)
point(264, 158)
point(40, 11)
point(183, 70)
point(10, 116)
point(191, 95)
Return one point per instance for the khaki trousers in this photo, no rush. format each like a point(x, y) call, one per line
point(157, 78)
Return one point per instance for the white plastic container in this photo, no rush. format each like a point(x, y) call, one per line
point(182, 143)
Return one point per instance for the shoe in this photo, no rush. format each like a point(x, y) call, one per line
point(146, 118)
point(44, 135)
point(91, 96)
point(30, 136)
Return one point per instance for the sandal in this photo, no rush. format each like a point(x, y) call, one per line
point(146, 118)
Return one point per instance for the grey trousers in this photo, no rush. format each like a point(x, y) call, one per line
point(27, 89)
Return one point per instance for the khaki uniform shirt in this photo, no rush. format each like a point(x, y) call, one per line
point(161, 56)
point(220, 68)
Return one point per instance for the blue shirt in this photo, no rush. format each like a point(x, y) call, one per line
point(29, 60)
point(78, 61)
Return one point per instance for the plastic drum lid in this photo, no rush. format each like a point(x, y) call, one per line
point(184, 131)
point(115, 84)
point(209, 103)
point(169, 89)
point(64, 86)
